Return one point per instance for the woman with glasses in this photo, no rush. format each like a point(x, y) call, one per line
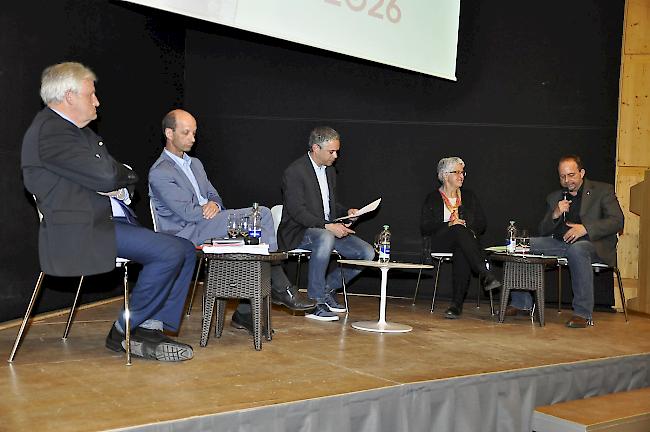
point(452, 220)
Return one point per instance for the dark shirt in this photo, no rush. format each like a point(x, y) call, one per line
point(572, 216)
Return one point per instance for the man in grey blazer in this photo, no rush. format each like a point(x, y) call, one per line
point(78, 187)
point(581, 223)
point(188, 205)
point(309, 210)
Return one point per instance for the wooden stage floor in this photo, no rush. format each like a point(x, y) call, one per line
point(79, 385)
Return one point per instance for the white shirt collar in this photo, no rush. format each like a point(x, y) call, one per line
point(65, 117)
point(315, 165)
point(185, 160)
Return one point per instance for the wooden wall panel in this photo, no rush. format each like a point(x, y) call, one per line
point(633, 140)
point(634, 128)
point(637, 30)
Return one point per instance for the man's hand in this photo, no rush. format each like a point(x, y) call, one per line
point(210, 209)
point(350, 221)
point(561, 207)
point(339, 230)
point(575, 232)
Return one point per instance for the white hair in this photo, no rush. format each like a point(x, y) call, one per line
point(446, 165)
point(60, 78)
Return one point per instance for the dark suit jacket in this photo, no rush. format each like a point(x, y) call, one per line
point(175, 202)
point(302, 202)
point(600, 213)
point(432, 225)
point(65, 167)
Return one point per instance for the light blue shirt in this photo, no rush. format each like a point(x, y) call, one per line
point(322, 184)
point(184, 164)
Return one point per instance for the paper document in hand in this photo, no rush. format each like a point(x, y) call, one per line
point(365, 209)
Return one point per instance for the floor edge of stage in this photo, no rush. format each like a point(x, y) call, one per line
point(496, 401)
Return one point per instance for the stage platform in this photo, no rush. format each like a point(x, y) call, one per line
point(471, 374)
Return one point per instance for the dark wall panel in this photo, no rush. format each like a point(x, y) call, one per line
point(138, 55)
point(533, 84)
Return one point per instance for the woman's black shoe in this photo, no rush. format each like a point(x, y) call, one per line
point(489, 282)
point(453, 312)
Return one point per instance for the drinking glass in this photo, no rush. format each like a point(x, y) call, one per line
point(233, 225)
point(524, 238)
point(244, 222)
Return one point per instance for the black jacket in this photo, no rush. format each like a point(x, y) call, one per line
point(302, 202)
point(431, 223)
point(64, 167)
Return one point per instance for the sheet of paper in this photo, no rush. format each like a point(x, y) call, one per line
point(365, 209)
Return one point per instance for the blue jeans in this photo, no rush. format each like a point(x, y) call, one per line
point(321, 243)
point(579, 255)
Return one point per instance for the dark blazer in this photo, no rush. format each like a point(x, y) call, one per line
point(64, 167)
point(175, 201)
point(302, 202)
point(600, 213)
point(431, 223)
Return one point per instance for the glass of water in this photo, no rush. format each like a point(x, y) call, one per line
point(233, 225)
point(523, 239)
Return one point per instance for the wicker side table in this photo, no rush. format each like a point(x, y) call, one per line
point(523, 272)
point(241, 276)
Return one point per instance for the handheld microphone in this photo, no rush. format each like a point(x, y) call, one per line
point(564, 193)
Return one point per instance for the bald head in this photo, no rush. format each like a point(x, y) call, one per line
point(179, 128)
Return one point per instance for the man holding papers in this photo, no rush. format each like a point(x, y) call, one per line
point(310, 207)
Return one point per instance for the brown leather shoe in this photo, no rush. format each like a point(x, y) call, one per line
point(512, 311)
point(577, 322)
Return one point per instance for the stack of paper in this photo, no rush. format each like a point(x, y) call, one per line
point(260, 249)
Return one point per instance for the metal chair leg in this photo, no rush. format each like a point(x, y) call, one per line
point(417, 285)
point(435, 286)
point(345, 289)
point(559, 288)
point(491, 303)
point(621, 291)
point(71, 314)
point(298, 271)
point(196, 280)
point(127, 315)
point(19, 337)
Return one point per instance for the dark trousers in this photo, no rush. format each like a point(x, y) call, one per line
point(467, 258)
point(168, 263)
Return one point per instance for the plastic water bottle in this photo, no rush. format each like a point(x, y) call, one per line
point(511, 235)
point(255, 224)
point(383, 245)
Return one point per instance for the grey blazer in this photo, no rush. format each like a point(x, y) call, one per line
point(600, 213)
point(65, 167)
point(302, 202)
point(174, 199)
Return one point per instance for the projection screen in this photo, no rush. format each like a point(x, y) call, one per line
point(419, 35)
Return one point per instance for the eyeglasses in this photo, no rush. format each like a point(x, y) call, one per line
point(463, 173)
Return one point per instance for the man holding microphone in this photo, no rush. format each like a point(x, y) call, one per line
point(581, 223)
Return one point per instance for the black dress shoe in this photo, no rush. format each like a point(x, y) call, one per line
point(150, 344)
point(489, 282)
point(453, 312)
point(114, 340)
point(245, 322)
point(291, 298)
